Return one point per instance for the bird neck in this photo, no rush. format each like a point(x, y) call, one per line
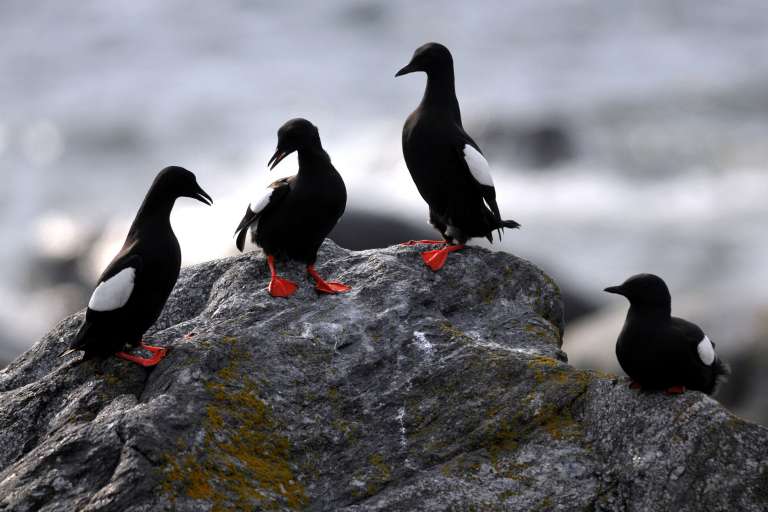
point(155, 210)
point(656, 311)
point(314, 157)
point(441, 93)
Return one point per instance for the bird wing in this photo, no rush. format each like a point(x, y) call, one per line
point(706, 351)
point(478, 165)
point(696, 341)
point(116, 283)
point(274, 195)
point(479, 172)
point(113, 292)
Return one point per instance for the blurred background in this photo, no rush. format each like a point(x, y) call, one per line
point(624, 136)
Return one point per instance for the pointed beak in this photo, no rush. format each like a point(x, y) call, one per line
point(202, 196)
point(615, 289)
point(276, 158)
point(410, 68)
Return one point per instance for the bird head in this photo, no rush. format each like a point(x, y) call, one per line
point(430, 58)
point(295, 135)
point(174, 182)
point(644, 290)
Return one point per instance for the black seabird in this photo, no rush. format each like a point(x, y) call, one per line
point(295, 215)
point(659, 351)
point(134, 287)
point(447, 166)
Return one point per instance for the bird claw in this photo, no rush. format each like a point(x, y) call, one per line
point(436, 259)
point(332, 287)
point(279, 287)
point(675, 390)
point(158, 353)
point(153, 349)
point(323, 286)
point(635, 385)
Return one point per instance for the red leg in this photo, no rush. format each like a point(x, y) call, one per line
point(326, 286)
point(437, 258)
point(635, 385)
point(675, 390)
point(423, 242)
point(158, 353)
point(279, 287)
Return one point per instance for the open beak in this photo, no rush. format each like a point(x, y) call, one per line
point(202, 196)
point(276, 158)
point(615, 289)
point(410, 68)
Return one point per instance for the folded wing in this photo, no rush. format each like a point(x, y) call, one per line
point(116, 284)
point(480, 172)
point(274, 194)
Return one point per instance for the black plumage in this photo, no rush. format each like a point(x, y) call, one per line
point(291, 220)
point(134, 287)
point(446, 164)
point(659, 351)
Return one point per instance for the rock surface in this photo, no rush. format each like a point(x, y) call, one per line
point(416, 391)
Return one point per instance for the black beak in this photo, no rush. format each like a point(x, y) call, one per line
point(615, 289)
point(410, 68)
point(202, 196)
point(276, 158)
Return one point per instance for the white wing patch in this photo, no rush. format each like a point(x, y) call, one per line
point(706, 351)
point(478, 166)
point(259, 204)
point(114, 292)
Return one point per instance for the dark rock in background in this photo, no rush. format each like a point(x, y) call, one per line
point(358, 230)
point(744, 391)
point(417, 390)
point(576, 305)
point(540, 145)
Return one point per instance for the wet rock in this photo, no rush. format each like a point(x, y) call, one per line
point(417, 390)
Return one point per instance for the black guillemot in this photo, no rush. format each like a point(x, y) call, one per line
point(291, 220)
point(133, 289)
point(446, 165)
point(659, 351)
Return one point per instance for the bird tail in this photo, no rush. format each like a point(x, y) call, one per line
point(500, 225)
point(509, 224)
point(720, 373)
point(240, 242)
point(80, 339)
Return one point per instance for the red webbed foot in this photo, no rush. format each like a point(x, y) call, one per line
point(279, 287)
point(437, 258)
point(635, 385)
point(324, 286)
point(423, 242)
point(158, 353)
point(675, 390)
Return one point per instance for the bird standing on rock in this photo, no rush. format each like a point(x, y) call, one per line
point(295, 215)
point(133, 289)
point(659, 351)
point(447, 166)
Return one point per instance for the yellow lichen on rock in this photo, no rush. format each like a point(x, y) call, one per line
point(243, 462)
